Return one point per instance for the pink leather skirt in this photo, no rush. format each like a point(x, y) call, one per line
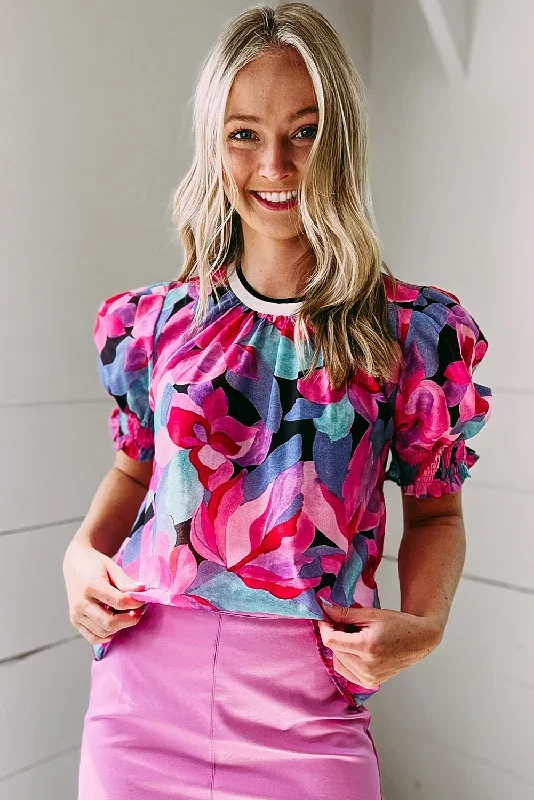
point(212, 705)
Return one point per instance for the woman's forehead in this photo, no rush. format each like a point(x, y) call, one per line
point(281, 76)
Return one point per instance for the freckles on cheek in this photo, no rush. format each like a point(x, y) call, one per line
point(241, 165)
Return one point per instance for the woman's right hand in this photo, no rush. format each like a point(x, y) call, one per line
point(93, 579)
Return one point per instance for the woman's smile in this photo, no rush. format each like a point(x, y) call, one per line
point(282, 205)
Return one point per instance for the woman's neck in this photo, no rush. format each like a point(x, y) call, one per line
point(278, 279)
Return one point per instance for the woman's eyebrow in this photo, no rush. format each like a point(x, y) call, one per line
point(250, 118)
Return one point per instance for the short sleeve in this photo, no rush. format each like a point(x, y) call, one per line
point(438, 406)
point(124, 339)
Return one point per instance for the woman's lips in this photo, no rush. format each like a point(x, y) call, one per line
point(276, 206)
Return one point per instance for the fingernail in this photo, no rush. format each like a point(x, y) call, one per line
point(325, 602)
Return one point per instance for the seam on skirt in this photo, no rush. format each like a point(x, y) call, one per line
point(369, 735)
point(212, 744)
point(321, 647)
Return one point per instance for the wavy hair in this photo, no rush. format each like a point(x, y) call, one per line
point(344, 311)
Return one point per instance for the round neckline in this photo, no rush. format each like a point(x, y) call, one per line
point(251, 290)
point(252, 299)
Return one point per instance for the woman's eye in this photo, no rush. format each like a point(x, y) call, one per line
point(312, 128)
point(235, 136)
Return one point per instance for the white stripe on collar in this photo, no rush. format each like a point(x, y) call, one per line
point(284, 309)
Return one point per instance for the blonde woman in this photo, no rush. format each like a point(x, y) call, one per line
point(258, 396)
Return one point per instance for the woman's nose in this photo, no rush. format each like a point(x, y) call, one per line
point(276, 165)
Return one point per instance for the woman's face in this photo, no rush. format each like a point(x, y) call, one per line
point(268, 153)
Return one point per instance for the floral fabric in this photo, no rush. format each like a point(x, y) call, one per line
point(267, 489)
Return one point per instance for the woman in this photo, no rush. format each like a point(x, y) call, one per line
point(258, 396)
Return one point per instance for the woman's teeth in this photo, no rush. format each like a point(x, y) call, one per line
point(277, 197)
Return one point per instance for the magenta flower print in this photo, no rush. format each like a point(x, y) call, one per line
point(263, 540)
point(213, 438)
point(459, 388)
point(175, 568)
point(123, 334)
point(206, 357)
point(166, 570)
point(422, 414)
point(316, 388)
point(364, 392)
point(116, 316)
point(437, 405)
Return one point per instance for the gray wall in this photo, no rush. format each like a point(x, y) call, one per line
point(96, 134)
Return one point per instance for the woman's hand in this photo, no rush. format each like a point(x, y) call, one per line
point(94, 581)
point(387, 641)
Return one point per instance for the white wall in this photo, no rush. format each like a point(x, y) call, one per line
point(95, 125)
point(452, 165)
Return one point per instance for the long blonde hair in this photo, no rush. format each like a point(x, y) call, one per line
point(344, 298)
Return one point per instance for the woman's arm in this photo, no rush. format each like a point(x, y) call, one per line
point(431, 556)
point(115, 505)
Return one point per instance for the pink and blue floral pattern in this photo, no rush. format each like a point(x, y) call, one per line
point(267, 489)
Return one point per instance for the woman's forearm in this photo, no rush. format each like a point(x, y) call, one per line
point(112, 512)
point(430, 562)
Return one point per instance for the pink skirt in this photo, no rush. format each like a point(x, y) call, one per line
point(212, 705)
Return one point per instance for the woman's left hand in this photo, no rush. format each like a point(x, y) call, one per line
point(387, 642)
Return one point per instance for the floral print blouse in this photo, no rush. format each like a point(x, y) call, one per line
point(267, 489)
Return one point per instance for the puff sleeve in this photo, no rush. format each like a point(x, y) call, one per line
point(438, 405)
point(124, 339)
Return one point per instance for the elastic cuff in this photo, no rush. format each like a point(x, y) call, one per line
point(130, 436)
point(440, 473)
